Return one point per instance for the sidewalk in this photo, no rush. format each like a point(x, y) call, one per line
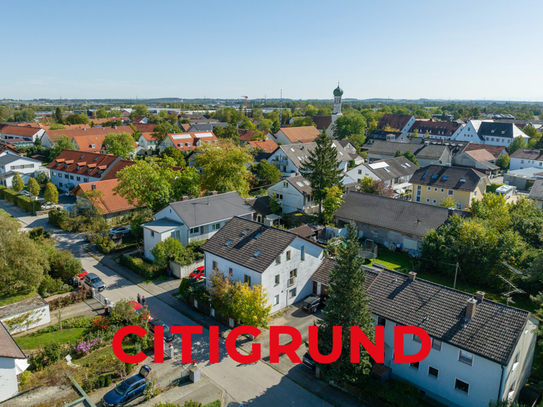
point(165, 291)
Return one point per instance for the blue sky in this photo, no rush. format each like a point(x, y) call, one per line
point(224, 49)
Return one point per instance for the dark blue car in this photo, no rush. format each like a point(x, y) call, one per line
point(127, 390)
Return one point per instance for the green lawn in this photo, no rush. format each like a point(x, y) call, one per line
point(393, 260)
point(11, 299)
point(33, 341)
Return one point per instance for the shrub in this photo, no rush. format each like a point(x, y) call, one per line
point(27, 204)
point(192, 403)
point(49, 285)
point(57, 216)
point(64, 265)
point(143, 268)
point(23, 377)
point(105, 244)
point(39, 233)
point(72, 298)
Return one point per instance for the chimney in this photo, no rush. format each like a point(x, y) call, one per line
point(451, 211)
point(184, 198)
point(214, 193)
point(412, 276)
point(93, 186)
point(470, 308)
point(480, 295)
point(115, 126)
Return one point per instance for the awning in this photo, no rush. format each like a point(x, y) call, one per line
point(21, 365)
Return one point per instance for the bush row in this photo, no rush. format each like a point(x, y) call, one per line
point(23, 202)
point(143, 268)
point(72, 298)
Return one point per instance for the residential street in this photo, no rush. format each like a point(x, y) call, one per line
point(251, 385)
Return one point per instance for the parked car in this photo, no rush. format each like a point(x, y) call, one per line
point(308, 361)
point(120, 231)
point(198, 273)
point(128, 389)
point(168, 336)
point(415, 254)
point(312, 304)
point(139, 309)
point(93, 281)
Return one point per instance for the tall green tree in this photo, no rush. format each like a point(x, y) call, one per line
point(77, 118)
point(61, 144)
point(503, 161)
point(347, 282)
point(186, 183)
point(17, 184)
point(119, 144)
point(303, 121)
point(51, 193)
point(331, 203)
point(518, 142)
point(224, 167)
point(101, 113)
point(58, 116)
point(175, 154)
point(33, 187)
point(321, 168)
point(267, 173)
point(350, 125)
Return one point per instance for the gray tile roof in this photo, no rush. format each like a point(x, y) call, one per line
point(9, 158)
point(208, 209)
point(492, 129)
point(448, 177)
point(429, 151)
point(492, 333)
point(302, 185)
point(537, 190)
point(528, 154)
point(261, 205)
point(393, 214)
point(396, 166)
point(299, 152)
point(8, 346)
point(162, 225)
point(246, 239)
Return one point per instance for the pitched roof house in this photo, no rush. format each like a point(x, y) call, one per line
point(293, 135)
point(290, 158)
point(11, 163)
point(400, 122)
point(267, 146)
point(13, 362)
point(481, 350)
point(436, 130)
point(434, 183)
point(491, 133)
point(526, 158)
point(425, 153)
point(536, 193)
point(72, 168)
point(482, 160)
point(187, 141)
point(389, 221)
point(27, 133)
point(194, 219)
point(279, 260)
point(85, 138)
point(294, 194)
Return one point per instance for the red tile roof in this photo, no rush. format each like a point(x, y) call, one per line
point(247, 135)
point(184, 126)
point(94, 131)
point(189, 141)
point(109, 202)
point(481, 155)
point(267, 146)
point(302, 134)
point(395, 121)
point(144, 127)
point(112, 174)
point(20, 131)
point(83, 163)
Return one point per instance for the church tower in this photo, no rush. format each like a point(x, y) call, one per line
point(338, 92)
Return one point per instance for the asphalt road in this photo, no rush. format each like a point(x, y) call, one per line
point(251, 385)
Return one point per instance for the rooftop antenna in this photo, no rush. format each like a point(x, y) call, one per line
point(513, 289)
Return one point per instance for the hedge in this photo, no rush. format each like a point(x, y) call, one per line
point(143, 268)
point(23, 202)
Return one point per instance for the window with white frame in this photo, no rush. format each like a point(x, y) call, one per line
point(292, 277)
point(465, 357)
point(416, 338)
point(450, 192)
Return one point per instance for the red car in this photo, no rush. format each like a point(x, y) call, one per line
point(139, 309)
point(198, 273)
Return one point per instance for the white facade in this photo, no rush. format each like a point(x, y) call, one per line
point(62, 180)
point(26, 167)
point(287, 166)
point(35, 317)
point(486, 379)
point(180, 230)
point(148, 144)
point(291, 199)
point(9, 136)
point(521, 163)
point(283, 290)
point(8, 378)
point(364, 170)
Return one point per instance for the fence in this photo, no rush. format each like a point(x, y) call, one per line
point(103, 300)
point(184, 271)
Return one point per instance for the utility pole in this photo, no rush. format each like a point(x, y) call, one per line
point(455, 275)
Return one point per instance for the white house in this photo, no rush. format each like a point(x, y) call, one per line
point(194, 219)
point(290, 158)
point(279, 260)
point(436, 130)
point(294, 194)
point(481, 351)
point(26, 167)
point(490, 133)
point(393, 171)
point(187, 141)
point(72, 168)
point(526, 158)
point(27, 133)
point(12, 362)
point(148, 142)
